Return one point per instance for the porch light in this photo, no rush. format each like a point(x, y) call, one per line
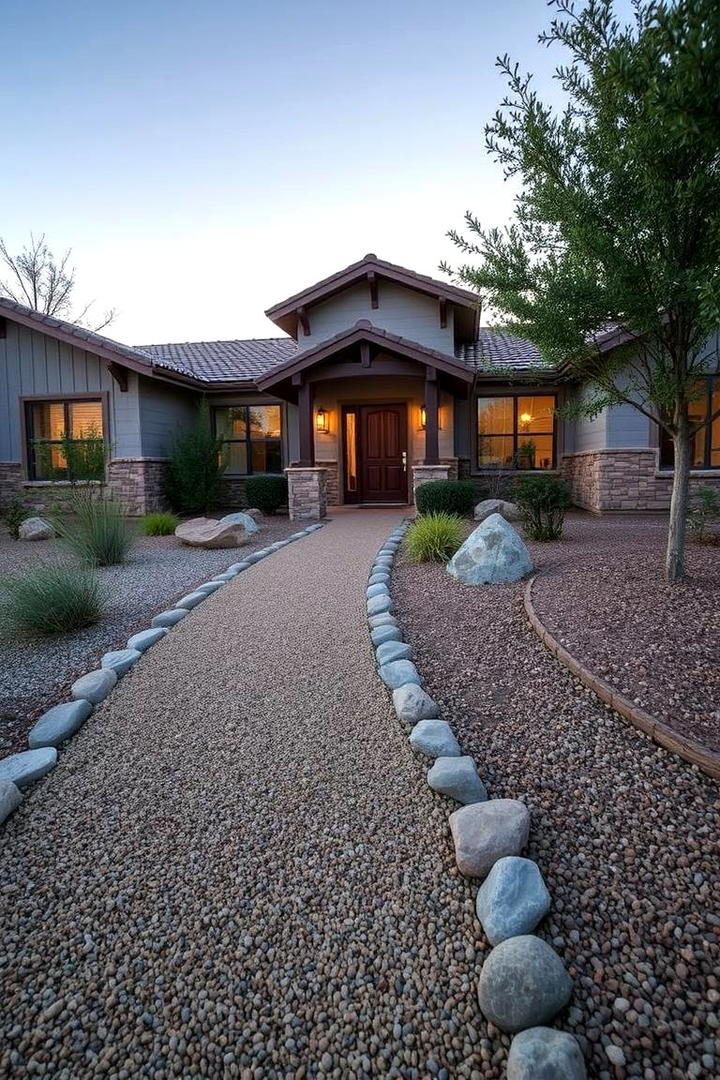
point(423, 417)
point(321, 422)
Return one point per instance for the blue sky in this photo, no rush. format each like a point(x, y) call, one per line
point(204, 160)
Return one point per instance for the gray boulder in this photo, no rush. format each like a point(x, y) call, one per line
point(256, 556)
point(508, 510)
point(120, 660)
point(392, 650)
point(487, 831)
point(542, 1053)
point(413, 704)
point(191, 600)
point(248, 523)
point(523, 984)
point(34, 528)
point(379, 578)
point(512, 900)
point(10, 799)
point(385, 619)
point(381, 634)
point(398, 672)
point(238, 567)
point(435, 739)
point(379, 605)
point(493, 554)
point(59, 723)
point(95, 686)
point(210, 533)
point(457, 777)
point(21, 769)
point(169, 618)
point(378, 589)
point(146, 638)
point(209, 587)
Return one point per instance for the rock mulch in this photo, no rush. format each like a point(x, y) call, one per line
point(625, 833)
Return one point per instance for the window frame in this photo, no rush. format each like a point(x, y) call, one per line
point(515, 396)
point(248, 440)
point(666, 451)
point(26, 401)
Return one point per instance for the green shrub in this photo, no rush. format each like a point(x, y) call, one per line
point(434, 537)
point(703, 516)
point(542, 501)
point(96, 530)
point(50, 599)
point(267, 492)
point(195, 467)
point(13, 515)
point(446, 496)
point(158, 524)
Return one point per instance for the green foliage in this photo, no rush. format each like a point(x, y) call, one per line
point(495, 483)
point(446, 496)
point(12, 515)
point(49, 599)
point(543, 501)
point(96, 530)
point(267, 492)
point(434, 537)
point(704, 516)
point(158, 524)
point(84, 458)
point(195, 466)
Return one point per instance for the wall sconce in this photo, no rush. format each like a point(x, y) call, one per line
point(322, 421)
point(423, 417)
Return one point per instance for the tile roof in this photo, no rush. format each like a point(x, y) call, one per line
point(222, 361)
point(494, 347)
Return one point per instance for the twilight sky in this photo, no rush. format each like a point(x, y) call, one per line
point(206, 159)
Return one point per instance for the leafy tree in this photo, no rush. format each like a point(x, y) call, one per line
point(617, 223)
point(195, 466)
point(45, 283)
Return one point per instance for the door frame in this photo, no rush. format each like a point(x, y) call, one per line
point(358, 497)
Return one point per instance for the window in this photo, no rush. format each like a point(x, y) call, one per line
point(705, 452)
point(516, 432)
point(252, 438)
point(65, 439)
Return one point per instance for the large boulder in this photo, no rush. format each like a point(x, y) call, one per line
point(493, 554)
point(487, 831)
point(512, 900)
point(209, 533)
point(508, 510)
point(34, 528)
point(523, 984)
point(249, 523)
point(542, 1053)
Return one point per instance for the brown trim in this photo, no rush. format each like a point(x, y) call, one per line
point(373, 285)
point(3, 326)
point(102, 395)
point(432, 439)
point(306, 430)
point(688, 749)
point(304, 321)
point(119, 374)
point(442, 307)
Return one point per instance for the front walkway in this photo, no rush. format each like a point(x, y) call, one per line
point(237, 868)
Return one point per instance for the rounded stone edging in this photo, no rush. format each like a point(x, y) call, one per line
point(688, 749)
point(10, 790)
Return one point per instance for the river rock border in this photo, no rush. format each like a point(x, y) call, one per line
point(523, 984)
point(63, 720)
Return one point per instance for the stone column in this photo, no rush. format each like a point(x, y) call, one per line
point(421, 474)
point(307, 492)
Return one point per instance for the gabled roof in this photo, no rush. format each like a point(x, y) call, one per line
point(494, 348)
point(223, 361)
point(283, 314)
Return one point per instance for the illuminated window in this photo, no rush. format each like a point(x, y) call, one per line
point(252, 438)
point(65, 440)
point(516, 431)
point(705, 450)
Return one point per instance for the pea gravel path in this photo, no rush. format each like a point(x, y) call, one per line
point(237, 868)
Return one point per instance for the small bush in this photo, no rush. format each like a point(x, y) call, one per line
point(195, 467)
point(704, 516)
point(13, 515)
point(267, 492)
point(446, 497)
point(434, 537)
point(97, 530)
point(158, 524)
point(543, 501)
point(50, 599)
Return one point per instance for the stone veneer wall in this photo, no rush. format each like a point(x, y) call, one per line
point(332, 481)
point(612, 480)
point(139, 483)
point(10, 481)
point(232, 492)
point(307, 492)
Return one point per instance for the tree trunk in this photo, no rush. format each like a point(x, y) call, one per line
point(675, 555)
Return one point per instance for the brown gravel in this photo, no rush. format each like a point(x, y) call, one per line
point(603, 596)
point(625, 833)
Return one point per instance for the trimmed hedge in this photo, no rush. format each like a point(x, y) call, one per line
point(446, 497)
point(266, 492)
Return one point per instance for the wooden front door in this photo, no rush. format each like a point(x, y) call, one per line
point(383, 453)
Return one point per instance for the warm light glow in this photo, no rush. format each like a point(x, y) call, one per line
point(322, 422)
point(423, 417)
point(525, 418)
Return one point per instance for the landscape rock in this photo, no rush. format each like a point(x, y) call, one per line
point(146, 638)
point(413, 704)
point(169, 618)
point(458, 778)
point(523, 984)
point(494, 553)
point(398, 672)
point(95, 686)
point(379, 579)
point(191, 600)
point(508, 510)
point(381, 634)
point(392, 650)
point(34, 528)
point(386, 619)
point(21, 769)
point(256, 556)
point(238, 567)
point(542, 1053)
point(485, 832)
point(512, 900)
point(10, 799)
point(248, 522)
point(59, 723)
point(379, 605)
point(378, 589)
point(209, 533)
point(435, 739)
point(209, 587)
point(120, 660)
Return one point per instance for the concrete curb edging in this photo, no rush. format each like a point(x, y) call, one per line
point(10, 794)
point(382, 616)
point(691, 751)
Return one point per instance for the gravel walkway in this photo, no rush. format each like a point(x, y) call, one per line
point(237, 868)
point(625, 833)
point(159, 570)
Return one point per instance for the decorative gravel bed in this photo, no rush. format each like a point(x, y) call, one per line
point(626, 833)
point(159, 570)
point(603, 596)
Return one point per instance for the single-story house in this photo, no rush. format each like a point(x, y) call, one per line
point(380, 379)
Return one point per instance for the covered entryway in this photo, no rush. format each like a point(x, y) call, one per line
point(375, 453)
